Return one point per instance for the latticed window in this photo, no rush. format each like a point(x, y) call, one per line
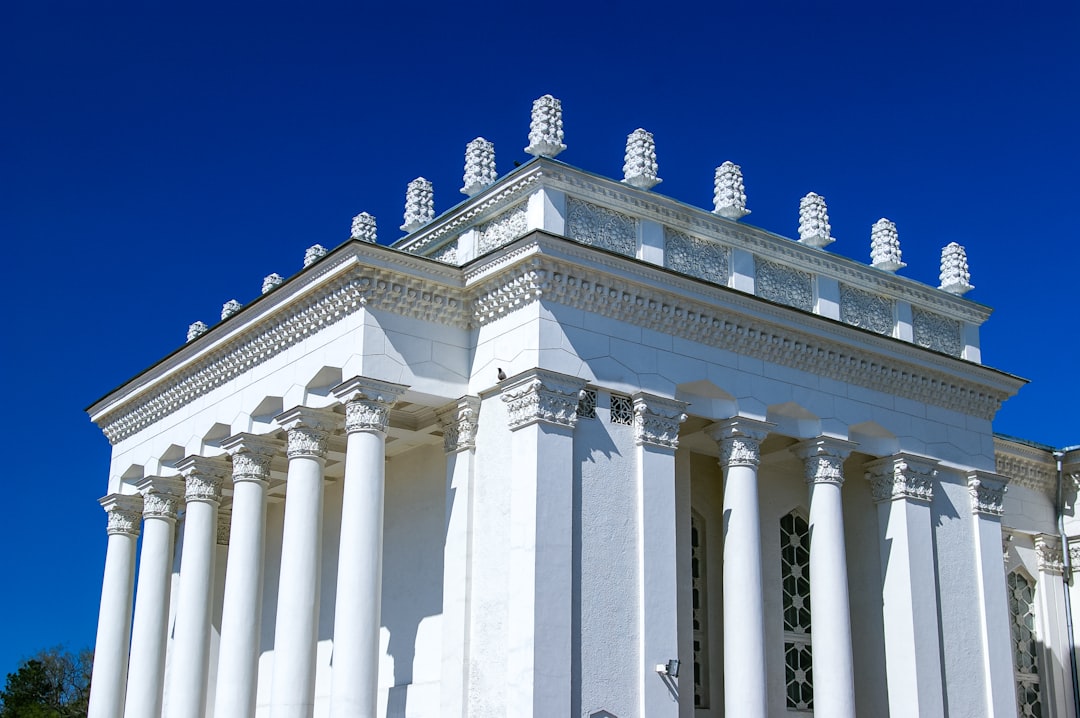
point(701, 611)
point(1025, 658)
point(795, 568)
point(622, 409)
point(586, 408)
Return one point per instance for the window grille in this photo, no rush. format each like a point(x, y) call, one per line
point(586, 408)
point(795, 570)
point(699, 583)
point(1025, 658)
point(622, 410)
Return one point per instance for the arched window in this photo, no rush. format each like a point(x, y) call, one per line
point(1025, 657)
point(795, 568)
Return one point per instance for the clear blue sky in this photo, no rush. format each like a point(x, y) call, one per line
point(158, 162)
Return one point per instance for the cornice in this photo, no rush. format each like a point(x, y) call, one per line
point(1026, 466)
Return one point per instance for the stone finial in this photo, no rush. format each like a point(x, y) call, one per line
point(729, 194)
point(545, 129)
point(314, 254)
point(272, 282)
point(230, 308)
point(639, 165)
point(885, 246)
point(955, 277)
point(419, 204)
point(196, 330)
point(479, 166)
point(363, 228)
point(814, 221)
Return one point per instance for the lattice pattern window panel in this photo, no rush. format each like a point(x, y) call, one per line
point(1024, 640)
point(622, 410)
point(586, 408)
point(795, 582)
point(699, 582)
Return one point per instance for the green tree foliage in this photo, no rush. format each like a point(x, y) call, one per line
point(53, 684)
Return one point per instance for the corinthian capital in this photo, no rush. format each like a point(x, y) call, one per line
point(162, 496)
point(657, 420)
point(124, 512)
point(740, 440)
point(367, 403)
point(203, 477)
point(987, 492)
point(823, 459)
point(545, 396)
point(902, 476)
point(251, 457)
point(459, 423)
point(308, 430)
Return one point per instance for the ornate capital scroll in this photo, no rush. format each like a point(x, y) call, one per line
point(307, 430)
point(162, 497)
point(740, 440)
point(203, 477)
point(1049, 555)
point(902, 476)
point(823, 459)
point(540, 395)
point(657, 420)
point(459, 423)
point(251, 457)
point(987, 492)
point(367, 403)
point(124, 512)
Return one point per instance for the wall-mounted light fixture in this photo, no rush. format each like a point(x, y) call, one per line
point(671, 668)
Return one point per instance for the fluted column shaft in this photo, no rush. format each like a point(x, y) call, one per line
point(146, 676)
point(241, 613)
point(744, 619)
point(114, 619)
point(830, 612)
point(191, 647)
point(296, 628)
point(357, 616)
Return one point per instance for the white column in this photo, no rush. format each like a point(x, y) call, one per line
point(656, 434)
point(190, 660)
point(241, 613)
point(987, 491)
point(162, 499)
point(830, 613)
point(744, 620)
point(357, 611)
point(459, 424)
point(297, 625)
point(542, 409)
point(903, 488)
point(114, 618)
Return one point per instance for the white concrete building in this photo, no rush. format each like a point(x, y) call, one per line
point(561, 451)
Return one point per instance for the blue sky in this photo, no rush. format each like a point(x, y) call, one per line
point(159, 162)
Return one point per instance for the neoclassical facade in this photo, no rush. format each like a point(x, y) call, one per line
point(575, 448)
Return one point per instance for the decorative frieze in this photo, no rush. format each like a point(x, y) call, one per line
point(544, 396)
point(1048, 554)
point(696, 257)
point(885, 246)
point(729, 194)
point(987, 491)
point(196, 330)
point(272, 282)
point(124, 513)
point(479, 166)
point(459, 423)
point(367, 403)
point(867, 311)
point(251, 457)
point(784, 285)
point(162, 497)
point(639, 164)
point(313, 254)
point(1025, 466)
point(364, 228)
point(447, 254)
point(657, 420)
point(601, 227)
point(902, 476)
point(546, 128)
point(740, 440)
point(203, 478)
point(230, 308)
point(419, 204)
point(955, 277)
point(814, 227)
point(823, 459)
point(933, 331)
point(503, 229)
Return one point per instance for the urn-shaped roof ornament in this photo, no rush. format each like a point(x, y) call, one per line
point(955, 276)
point(545, 129)
point(729, 194)
point(230, 308)
point(885, 246)
point(314, 253)
point(196, 330)
point(814, 226)
point(363, 228)
point(272, 282)
point(479, 166)
point(639, 164)
point(419, 204)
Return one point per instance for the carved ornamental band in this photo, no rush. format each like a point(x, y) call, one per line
point(987, 492)
point(459, 424)
point(124, 512)
point(901, 477)
point(539, 395)
point(657, 420)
